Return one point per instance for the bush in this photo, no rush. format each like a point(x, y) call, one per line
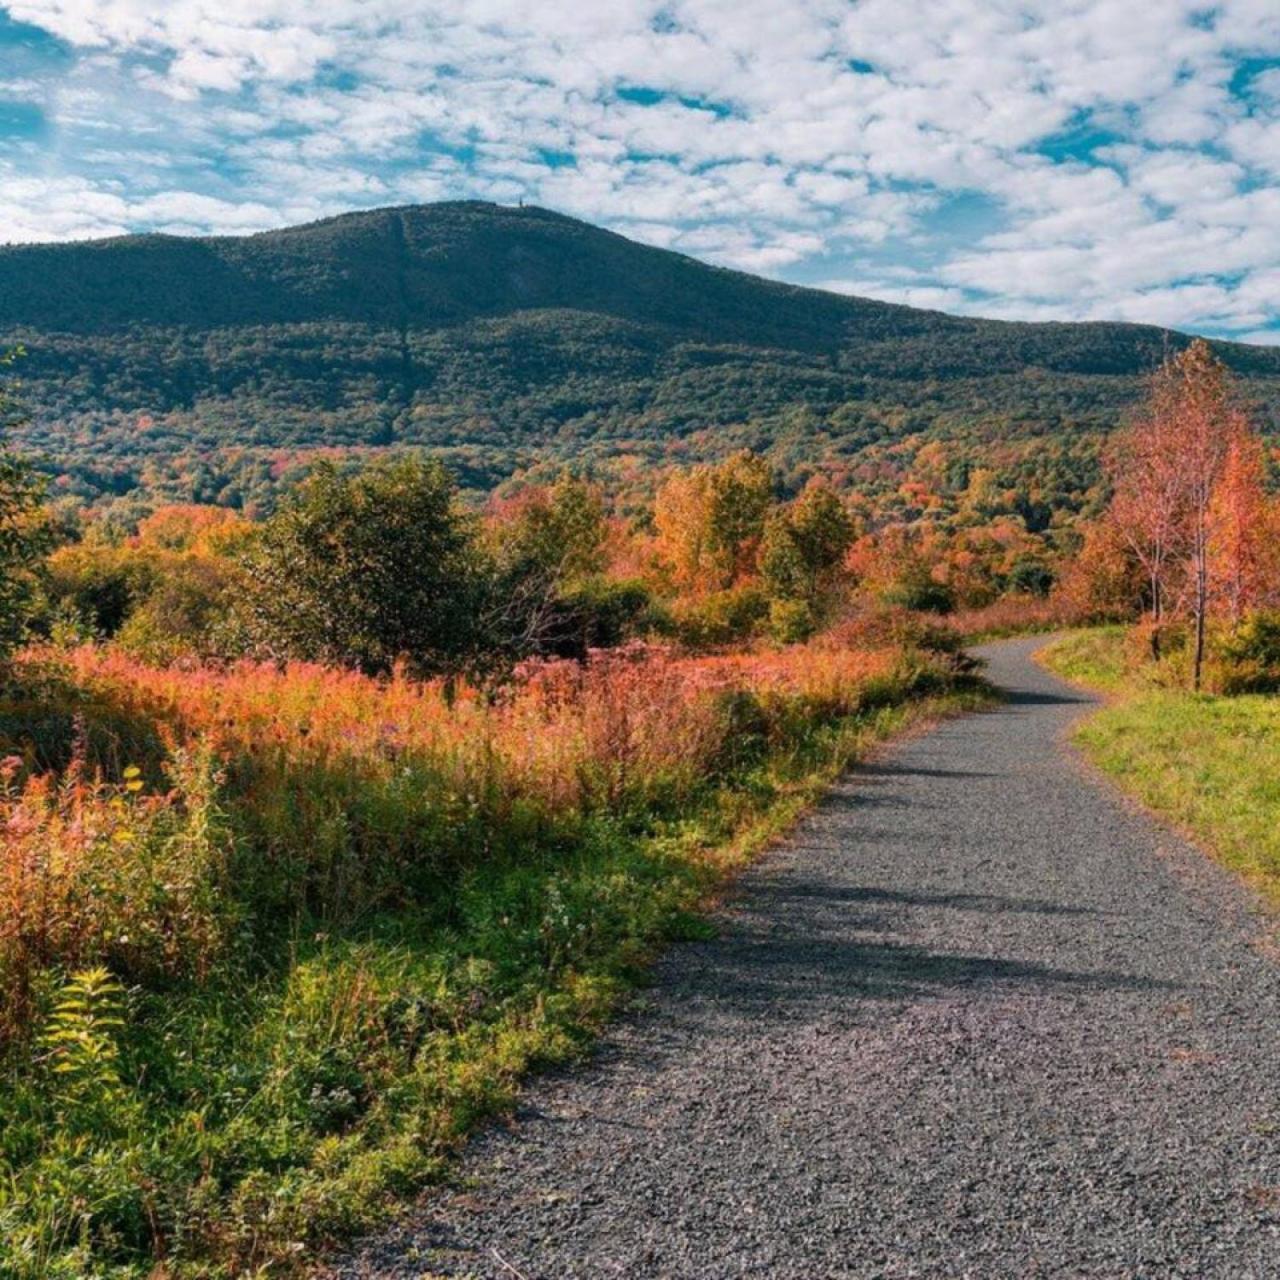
point(1160, 650)
point(1246, 658)
point(366, 571)
point(183, 613)
point(921, 592)
point(791, 621)
point(598, 613)
point(98, 584)
point(1030, 577)
point(721, 617)
point(96, 872)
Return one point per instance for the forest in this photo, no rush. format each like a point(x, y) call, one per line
point(510, 342)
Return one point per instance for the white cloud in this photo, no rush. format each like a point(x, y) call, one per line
point(758, 134)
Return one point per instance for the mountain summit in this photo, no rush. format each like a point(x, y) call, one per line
point(508, 333)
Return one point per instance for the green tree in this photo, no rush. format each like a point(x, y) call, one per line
point(23, 536)
point(1030, 576)
point(801, 554)
point(556, 532)
point(367, 571)
point(551, 595)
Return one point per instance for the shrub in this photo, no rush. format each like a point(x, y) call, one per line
point(598, 613)
point(791, 621)
point(1245, 658)
point(921, 592)
point(721, 617)
point(99, 585)
point(182, 615)
point(366, 571)
point(100, 872)
point(1030, 577)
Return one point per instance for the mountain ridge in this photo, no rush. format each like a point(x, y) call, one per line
point(512, 334)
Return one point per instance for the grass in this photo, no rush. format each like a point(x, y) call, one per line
point(1209, 763)
point(282, 939)
point(1094, 658)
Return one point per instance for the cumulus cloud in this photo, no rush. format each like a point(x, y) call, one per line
point(1123, 168)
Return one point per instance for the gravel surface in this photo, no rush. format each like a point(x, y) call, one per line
point(976, 1018)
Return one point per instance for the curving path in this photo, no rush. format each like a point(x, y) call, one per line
point(977, 1018)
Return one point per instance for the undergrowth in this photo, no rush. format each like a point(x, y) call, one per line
point(277, 941)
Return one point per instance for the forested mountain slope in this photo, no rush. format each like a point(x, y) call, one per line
point(210, 367)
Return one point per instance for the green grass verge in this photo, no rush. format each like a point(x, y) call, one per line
point(1094, 657)
point(328, 1089)
point(1209, 763)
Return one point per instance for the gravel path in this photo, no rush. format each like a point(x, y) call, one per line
point(976, 1018)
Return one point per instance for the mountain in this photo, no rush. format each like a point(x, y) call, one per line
point(500, 336)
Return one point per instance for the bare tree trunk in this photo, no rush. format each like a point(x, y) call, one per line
point(1202, 600)
point(1155, 617)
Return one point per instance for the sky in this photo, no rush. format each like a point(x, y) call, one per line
point(1041, 159)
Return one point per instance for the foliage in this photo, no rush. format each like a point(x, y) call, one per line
point(718, 618)
point(164, 589)
point(23, 538)
point(1244, 654)
point(919, 589)
point(710, 519)
point(366, 571)
point(556, 530)
point(1242, 524)
point(352, 918)
point(110, 872)
point(1188, 485)
point(601, 613)
point(216, 370)
point(548, 549)
point(184, 613)
point(80, 1039)
point(801, 555)
point(1030, 576)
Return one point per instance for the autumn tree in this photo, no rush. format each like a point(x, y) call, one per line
point(1104, 578)
point(1147, 507)
point(802, 549)
point(1241, 529)
point(193, 527)
point(1207, 420)
point(710, 520)
point(1166, 470)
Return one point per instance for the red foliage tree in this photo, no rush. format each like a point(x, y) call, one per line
point(1166, 470)
point(1240, 528)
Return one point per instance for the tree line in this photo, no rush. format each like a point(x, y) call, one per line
point(1191, 515)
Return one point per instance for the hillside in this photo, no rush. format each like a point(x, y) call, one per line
point(499, 336)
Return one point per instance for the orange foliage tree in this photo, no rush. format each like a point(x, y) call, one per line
point(1187, 493)
point(1241, 531)
point(710, 520)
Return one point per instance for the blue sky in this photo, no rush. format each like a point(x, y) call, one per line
point(1038, 159)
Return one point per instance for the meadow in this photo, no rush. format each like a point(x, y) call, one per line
point(1209, 763)
point(275, 940)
